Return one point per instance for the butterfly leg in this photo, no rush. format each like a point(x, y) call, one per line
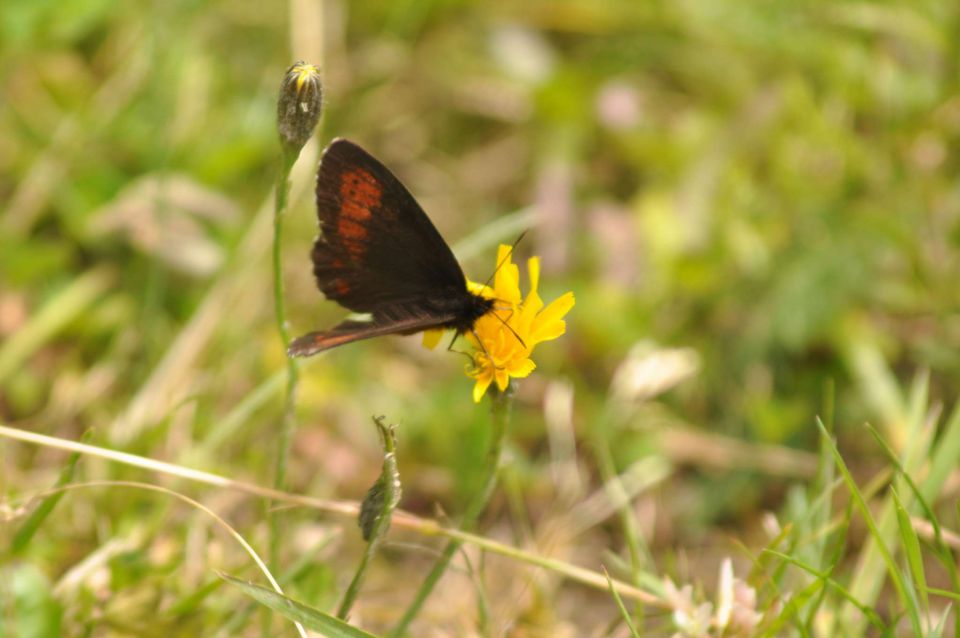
point(452, 341)
point(480, 342)
point(451, 349)
point(489, 358)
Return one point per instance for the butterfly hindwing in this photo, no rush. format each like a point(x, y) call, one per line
point(377, 247)
point(393, 322)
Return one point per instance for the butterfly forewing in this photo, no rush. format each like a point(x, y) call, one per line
point(377, 247)
point(379, 253)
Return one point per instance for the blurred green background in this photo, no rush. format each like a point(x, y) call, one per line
point(772, 185)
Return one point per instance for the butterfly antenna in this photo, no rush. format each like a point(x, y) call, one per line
point(510, 328)
point(505, 259)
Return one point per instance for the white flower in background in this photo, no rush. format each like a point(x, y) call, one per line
point(691, 619)
point(736, 613)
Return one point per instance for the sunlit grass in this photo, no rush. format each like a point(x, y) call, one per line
point(755, 206)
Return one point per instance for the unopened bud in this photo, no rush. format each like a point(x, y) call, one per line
point(299, 106)
point(384, 496)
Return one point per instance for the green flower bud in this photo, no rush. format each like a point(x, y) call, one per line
point(384, 496)
point(299, 106)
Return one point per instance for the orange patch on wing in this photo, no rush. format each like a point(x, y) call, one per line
point(341, 287)
point(360, 193)
point(325, 341)
point(351, 230)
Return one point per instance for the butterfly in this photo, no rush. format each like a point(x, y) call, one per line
point(378, 253)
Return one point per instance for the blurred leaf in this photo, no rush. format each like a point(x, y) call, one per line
point(36, 614)
point(309, 617)
point(164, 216)
point(64, 307)
point(812, 292)
point(25, 262)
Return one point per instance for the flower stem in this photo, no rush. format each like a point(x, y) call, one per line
point(501, 402)
point(639, 553)
point(288, 424)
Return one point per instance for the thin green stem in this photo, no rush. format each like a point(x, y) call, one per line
point(606, 465)
point(611, 482)
point(288, 424)
point(354, 588)
point(501, 403)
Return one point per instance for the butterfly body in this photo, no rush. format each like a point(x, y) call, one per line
point(379, 254)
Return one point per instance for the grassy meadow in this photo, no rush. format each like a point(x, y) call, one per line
point(751, 426)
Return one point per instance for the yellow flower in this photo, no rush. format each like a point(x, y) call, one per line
point(510, 333)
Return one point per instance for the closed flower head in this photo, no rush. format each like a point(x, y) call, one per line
point(299, 106)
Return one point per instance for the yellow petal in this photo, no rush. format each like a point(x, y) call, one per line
point(533, 268)
point(432, 337)
point(503, 379)
point(550, 331)
point(523, 369)
point(480, 387)
point(533, 302)
point(528, 313)
point(548, 325)
point(506, 283)
point(558, 307)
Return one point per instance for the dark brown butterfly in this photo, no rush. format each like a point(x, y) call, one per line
point(378, 253)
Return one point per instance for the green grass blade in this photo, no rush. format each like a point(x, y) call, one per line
point(192, 602)
point(36, 518)
point(791, 610)
point(946, 593)
point(918, 494)
point(311, 618)
point(893, 570)
point(836, 554)
point(944, 458)
point(621, 606)
point(761, 564)
point(914, 434)
point(868, 612)
point(937, 630)
point(946, 454)
point(911, 548)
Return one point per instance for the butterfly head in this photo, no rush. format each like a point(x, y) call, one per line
point(473, 307)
